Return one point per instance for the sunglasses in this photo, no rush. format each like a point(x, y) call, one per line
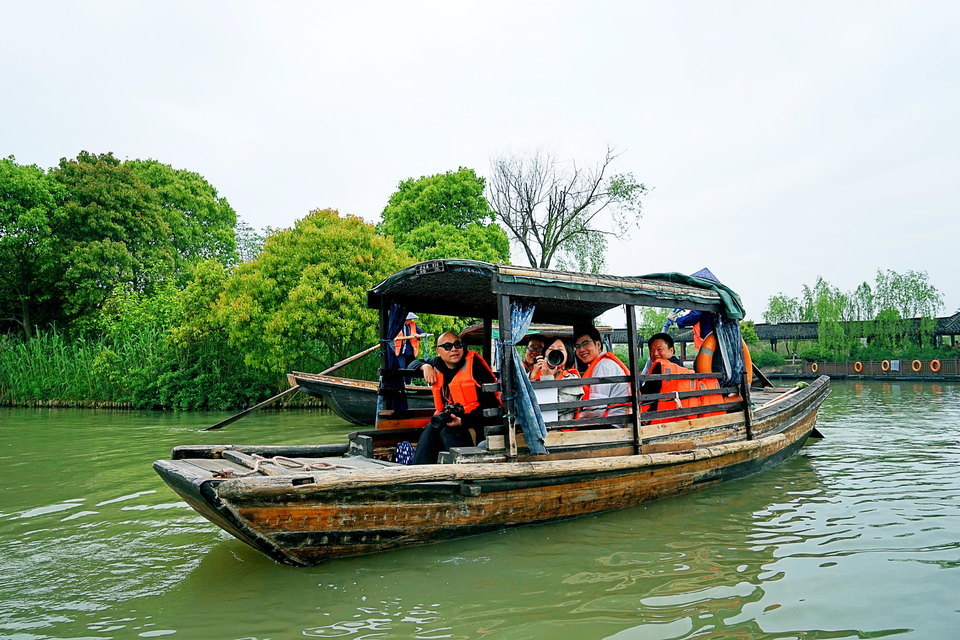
point(532, 348)
point(447, 346)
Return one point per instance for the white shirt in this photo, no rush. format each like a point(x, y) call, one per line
point(604, 368)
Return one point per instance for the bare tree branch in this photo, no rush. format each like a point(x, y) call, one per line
point(557, 212)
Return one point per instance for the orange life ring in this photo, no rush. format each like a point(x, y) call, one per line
point(814, 367)
point(885, 365)
point(858, 366)
point(916, 365)
point(934, 365)
point(704, 361)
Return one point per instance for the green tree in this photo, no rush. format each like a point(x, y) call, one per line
point(302, 301)
point(557, 213)
point(109, 230)
point(444, 216)
point(748, 331)
point(781, 308)
point(201, 222)
point(651, 320)
point(890, 331)
point(434, 241)
point(453, 198)
point(828, 305)
point(27, 203)
point(911, 296)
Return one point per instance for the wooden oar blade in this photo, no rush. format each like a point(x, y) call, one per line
point(266, 402)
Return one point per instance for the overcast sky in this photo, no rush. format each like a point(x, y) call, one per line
point(783, 140)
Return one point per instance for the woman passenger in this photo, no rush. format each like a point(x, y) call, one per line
point(563, 367)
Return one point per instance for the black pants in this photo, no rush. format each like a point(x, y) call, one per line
point(437, 437)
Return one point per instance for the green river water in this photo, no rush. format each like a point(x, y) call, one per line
point(856, 537)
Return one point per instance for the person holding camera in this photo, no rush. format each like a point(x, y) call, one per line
point(557, 363)
point(534, 350)
point(456, 376)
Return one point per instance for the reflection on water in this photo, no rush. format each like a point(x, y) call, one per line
point(856, 537)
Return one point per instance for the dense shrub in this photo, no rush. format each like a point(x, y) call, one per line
point(767, 358)
point(814, 354)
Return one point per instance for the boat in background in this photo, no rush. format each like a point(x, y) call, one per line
point(356, 400)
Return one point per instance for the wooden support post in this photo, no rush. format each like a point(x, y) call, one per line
point(747, 406)
point(506, 372)
point(488, 339)
point(634, 383)
point(384, 361)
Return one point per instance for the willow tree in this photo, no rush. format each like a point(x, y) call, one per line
point(910, 297)
point(561, 213)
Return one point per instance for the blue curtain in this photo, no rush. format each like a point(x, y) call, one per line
point(731, 348)
point(396, 401)
point(524, 401)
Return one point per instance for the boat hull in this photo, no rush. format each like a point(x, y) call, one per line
point(307, 518)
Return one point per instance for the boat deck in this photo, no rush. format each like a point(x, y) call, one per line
point(235, 464)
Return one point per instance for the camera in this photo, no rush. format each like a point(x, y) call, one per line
point(447, 414)
point(555, 358)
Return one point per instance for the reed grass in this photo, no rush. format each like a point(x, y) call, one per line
point(52, 368)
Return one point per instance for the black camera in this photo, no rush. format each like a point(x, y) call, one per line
point(555, 358)
point(448, 413)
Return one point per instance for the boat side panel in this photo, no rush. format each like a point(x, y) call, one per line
point(311, 526)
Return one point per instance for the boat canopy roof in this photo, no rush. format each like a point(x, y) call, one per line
point(474, 334)
point(471, 288)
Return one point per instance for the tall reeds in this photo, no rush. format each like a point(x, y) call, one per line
point(54, 369)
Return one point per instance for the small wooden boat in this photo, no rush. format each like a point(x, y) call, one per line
point(303, 504)
point(354, 400)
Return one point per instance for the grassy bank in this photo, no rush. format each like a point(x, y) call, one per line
point(139, 370)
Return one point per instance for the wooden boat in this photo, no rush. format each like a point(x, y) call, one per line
point(303, 504)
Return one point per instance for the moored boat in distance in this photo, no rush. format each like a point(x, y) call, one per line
point(355, 400)
point(303, 504)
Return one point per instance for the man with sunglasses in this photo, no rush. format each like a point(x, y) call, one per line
point(456, 376)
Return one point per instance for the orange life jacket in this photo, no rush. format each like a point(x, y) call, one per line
point(697, 338)
point(463, 388)
point(606, 355)
point(409, 329)
point(679, 386)
point(559, 375)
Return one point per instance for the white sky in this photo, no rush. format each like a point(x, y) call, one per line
point(784, 140)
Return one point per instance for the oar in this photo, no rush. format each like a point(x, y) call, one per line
point(296, 387)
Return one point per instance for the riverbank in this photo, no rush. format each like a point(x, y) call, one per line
point(303, 401)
